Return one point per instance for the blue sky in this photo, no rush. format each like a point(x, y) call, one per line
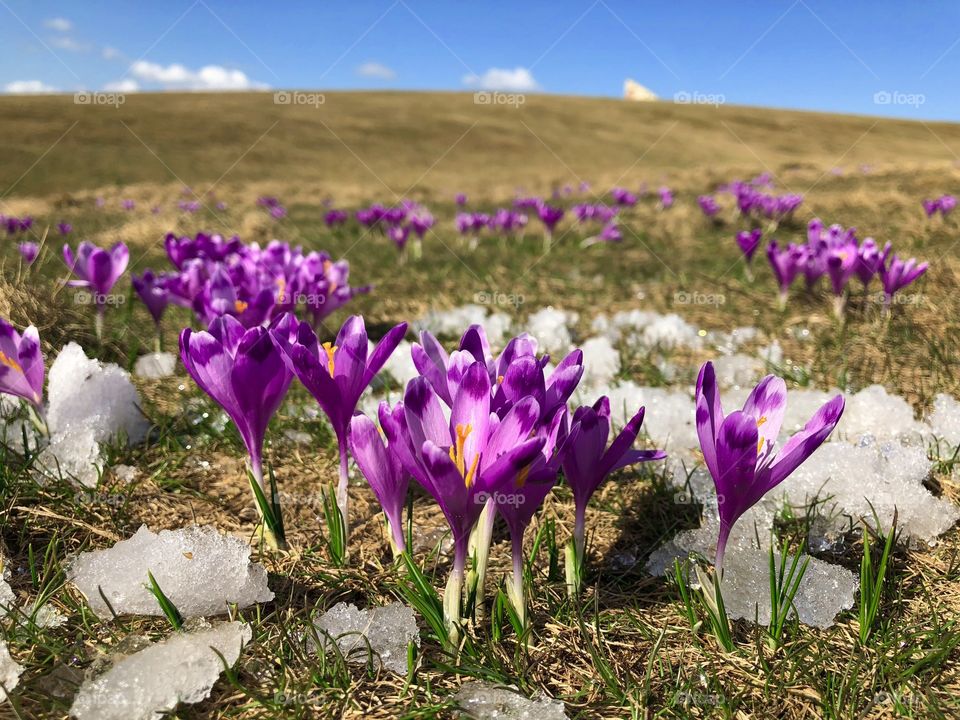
point(879, 58)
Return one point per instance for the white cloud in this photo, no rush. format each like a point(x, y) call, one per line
point(127, 85)
point(377, 70)
point(517, 80)
point(59, 24)
point(110, 53)
point(180, 77)
point(68, 43)
point(28, 87)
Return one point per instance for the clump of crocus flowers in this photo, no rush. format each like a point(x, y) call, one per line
point(944, 205)
point(839, 255)
point(21, 368)
point(216, 276)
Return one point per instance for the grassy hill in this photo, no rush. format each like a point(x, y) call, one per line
point(393, 143)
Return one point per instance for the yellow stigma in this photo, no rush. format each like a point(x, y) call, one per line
point(499, 379)
point(329, 348)
point(326, 269)
point(239, 306)
point(760, 421)
point(282, 283)
point(10, 362)
point(522, 477)
point(456, 454)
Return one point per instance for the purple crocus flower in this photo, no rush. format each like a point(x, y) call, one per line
point(21, 364)
point(518, 504)
point(152, 289)
point(708, 205)
point(930, 207)
point(666, 197)
point(336, 374)
point(399, 235)
point(127, 204)
point(549, 216)
point(898, 274)
point(786, 264)
point(335, 218)
point(64, 228)
point(869, 260)
point(460, 199)
point(383, 471)
point(623, 197)
point(739, 448)
point(947, 204)
point(242, 370)
point(587, 462)
point(462, 462)
point(96, 268)
point(28, 251)
point(749, 241)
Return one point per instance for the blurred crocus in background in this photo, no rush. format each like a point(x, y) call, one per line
point(708, 205)
point(897, 274)
point(549, 216)
point(152, 289)
point(97, 270)
point(28, 251)
point(739, 448)
point(666, 197)
point(786, 264)
point(748, 241)
point(64, 228)
point(245, 373)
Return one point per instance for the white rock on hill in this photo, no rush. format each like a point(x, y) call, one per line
point(199, 569)
point(632, 90)
point(181, 669)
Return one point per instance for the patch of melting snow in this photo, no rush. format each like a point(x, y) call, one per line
point(181, 669)
point(854, 481)
point(825, 590)
point(875, 412)
point(91, 403)
point(452, 323)
point(10, 671)
point(944, 420)
point(482, 701)
point(199, 569)
point(399, 365)
point(601, 361)
point(385, 631)
point(551, 327)
point(155, 365)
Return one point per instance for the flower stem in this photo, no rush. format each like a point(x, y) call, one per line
point(481, 551)
point(515, 590)
point(343, 499)
point(452, 594)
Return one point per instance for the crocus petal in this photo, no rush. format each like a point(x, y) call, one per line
point(424, 416)
point(802, 445)
point(767, 405)
point(380, 467)
point(709, 416)
point(737, 459)
point(470, 413)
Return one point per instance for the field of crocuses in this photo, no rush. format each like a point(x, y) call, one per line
point(678, 443)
